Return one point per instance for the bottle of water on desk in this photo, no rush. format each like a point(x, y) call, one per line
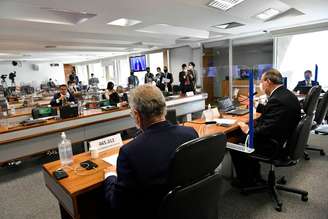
point(65, 151)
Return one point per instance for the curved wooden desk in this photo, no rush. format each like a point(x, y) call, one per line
point(76, 192)
point(23, 141)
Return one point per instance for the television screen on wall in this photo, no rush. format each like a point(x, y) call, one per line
point(138, 63)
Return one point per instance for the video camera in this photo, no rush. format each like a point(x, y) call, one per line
point(3, 77)
point(12, 76)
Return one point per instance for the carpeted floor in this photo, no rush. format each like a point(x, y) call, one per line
point(24, 195)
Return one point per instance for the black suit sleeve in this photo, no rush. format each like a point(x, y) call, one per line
point(53, 102)
point(118, 190)
point(274, 116)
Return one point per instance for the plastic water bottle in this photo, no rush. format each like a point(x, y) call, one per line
point(65, 151)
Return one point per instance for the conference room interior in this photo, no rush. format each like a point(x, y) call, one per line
point(81, 46)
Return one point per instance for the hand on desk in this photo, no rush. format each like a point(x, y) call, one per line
point(244, 127)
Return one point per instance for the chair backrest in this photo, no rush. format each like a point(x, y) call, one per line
point(199, 200)
point(171, 116)
point(322, 108)
point(297, 141)
point(311, 100)
point(196, 159)
point(194, 184)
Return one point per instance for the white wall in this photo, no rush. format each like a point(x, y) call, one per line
point(185, 54)
point(25, 73)
point(298, 53)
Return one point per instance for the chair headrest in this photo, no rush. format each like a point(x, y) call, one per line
point(311, 100)
point(196, 159)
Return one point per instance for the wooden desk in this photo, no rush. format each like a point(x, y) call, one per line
point(23, 141)
point(82, 196)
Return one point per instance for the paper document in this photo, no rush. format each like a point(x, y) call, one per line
point(225, 121)
point(111, 159)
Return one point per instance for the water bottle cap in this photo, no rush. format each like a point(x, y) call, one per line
point(63, 135)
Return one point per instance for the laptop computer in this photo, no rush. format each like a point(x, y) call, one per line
point(226, 105)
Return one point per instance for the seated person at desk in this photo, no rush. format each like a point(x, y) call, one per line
point(93, 81)
point(305, 83)
point(51, 84)
point(111, 94)
point(72, 88)
point(123, 96)
point(279, 117)
point(143, 163)
point(63, 96)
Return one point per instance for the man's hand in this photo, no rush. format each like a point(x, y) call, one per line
point(62, 97)
point(244, 127)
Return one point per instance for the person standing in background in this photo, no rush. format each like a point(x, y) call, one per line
point(167, 79)
point(159, 78)
point(191, 67)
point(149, 77)
point(186, 79)
point(73, 77)
point(133, 80)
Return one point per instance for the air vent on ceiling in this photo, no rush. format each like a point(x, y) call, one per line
point(224, 4)
point(68, 16)
point(228, 25)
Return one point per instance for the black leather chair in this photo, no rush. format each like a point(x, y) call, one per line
point(290, 156)
point(310, 105)
point(171, 116)
point(194, 184)
point(320, 114)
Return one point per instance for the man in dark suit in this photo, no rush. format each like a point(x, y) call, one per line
point(143, 164)
point(279, 117)
point(149, 77)
point(306, 83)
point(167, 79)
point(64, 96)
point(186, 78)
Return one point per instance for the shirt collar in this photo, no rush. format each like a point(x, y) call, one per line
point(275, 89)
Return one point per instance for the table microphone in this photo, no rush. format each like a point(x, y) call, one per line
point(248, 97)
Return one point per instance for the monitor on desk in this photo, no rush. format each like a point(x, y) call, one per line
point(42, 112)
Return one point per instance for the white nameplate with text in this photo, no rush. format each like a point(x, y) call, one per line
point(190, 94)
point(107, 142)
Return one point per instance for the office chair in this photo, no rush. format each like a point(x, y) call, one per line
point(290, 156)
point(318, 119)
point(171, 116)
point(310, 105)
point(194, 184)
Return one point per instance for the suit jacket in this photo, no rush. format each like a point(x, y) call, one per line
point(183, 77)
point(133, 80)
point(169, 84)
point(54, 103)
point(303, 84)
point(149, 77)
point(142, 170)
point(278, 120)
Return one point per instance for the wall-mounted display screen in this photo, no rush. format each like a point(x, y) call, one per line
point(138, 63)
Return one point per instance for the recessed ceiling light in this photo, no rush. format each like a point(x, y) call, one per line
point(124, 22)
point(267, 14)
point(224, 4)
point(228, 25)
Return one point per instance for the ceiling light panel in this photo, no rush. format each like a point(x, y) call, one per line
point(224, 4)
point(267, 14)
point(124, 22)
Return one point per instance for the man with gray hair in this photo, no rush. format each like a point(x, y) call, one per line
point(279, 117)
point(143, 163)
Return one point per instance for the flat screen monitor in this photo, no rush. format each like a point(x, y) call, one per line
point(138, 63)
